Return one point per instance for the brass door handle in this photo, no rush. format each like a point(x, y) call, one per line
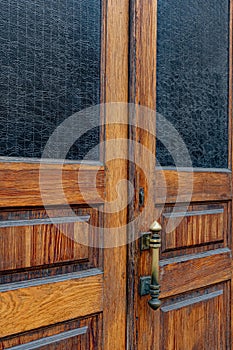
point(155, 244)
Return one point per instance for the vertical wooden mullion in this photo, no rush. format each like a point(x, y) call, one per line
point(143, 324)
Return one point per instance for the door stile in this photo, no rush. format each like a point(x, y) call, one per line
point(143, 325)
point(116, 90)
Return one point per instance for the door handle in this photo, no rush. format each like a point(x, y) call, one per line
point(155, 244)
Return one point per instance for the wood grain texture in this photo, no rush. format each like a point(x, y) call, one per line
point(90, 337)
point(49, 341)
point(31, 246)
point(207, 186)
point(29, 308)
point(201, 224)
point(33, 238)
point(182, 274)
point(198, 320)
point(116, 90)
point(143, 325)
point(20, 186)
point(80, 183)
point(198, 265)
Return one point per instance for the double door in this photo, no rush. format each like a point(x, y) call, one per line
point(87, 166)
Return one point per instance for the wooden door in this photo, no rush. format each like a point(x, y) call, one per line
point(192, 42)
point(59, 289)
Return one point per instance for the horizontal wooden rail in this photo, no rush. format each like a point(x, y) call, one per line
point(21, 184)
point(207, 185)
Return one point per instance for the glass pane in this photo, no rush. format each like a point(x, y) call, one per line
point(192, 78)
point(50, 69)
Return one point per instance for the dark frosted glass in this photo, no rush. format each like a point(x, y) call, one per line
point(50, 69)
point(192, 78)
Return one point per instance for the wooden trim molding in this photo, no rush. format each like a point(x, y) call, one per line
point(46, 221)
point(49, 280)
point(37, 344)
point(191, 301)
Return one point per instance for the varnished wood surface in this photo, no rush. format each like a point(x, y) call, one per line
point(201, 224)
point(197, 320)
point(84, 333)
point(207, 186)
point(25, 309)
point(143, 325)
point(48, 341)
point(28, 309)
point(33, 238)
point(21, 184)
point(181, 274)
point(116, 90)
point(30, 246)
point(201, 245)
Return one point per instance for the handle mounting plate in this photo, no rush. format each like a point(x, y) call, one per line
point(144, 285)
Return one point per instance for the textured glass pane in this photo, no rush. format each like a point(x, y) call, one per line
point(50, 69)
point(192, 78)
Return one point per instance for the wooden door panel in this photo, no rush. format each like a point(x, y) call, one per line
point(33, 238)
point(39, 303)
point(84, 333)
point(197, 320)
point(193, 271)
point(202, 224)
point(202, 227)
point(51, 268)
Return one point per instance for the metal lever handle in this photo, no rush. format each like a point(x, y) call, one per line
point(155, 244)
